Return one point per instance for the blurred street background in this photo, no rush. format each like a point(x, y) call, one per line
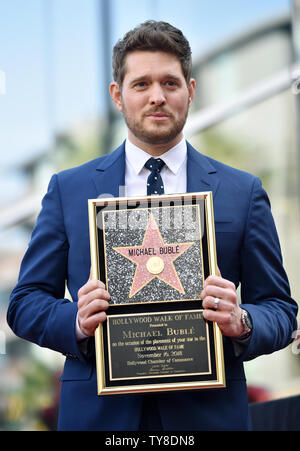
point(55, 113)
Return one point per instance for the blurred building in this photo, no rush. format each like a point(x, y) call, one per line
point(246, 115)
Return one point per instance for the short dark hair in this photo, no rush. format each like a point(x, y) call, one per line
point(152, 36)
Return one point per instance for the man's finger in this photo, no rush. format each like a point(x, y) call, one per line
point(90, 285)
point(218, 281)
point(98, 293)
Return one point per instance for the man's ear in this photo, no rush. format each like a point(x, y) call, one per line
point(115, 93)
point(192, 88)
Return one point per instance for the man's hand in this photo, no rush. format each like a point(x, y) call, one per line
point(92, 303)
point(228, 312)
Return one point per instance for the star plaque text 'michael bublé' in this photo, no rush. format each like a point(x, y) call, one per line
point(154, 258)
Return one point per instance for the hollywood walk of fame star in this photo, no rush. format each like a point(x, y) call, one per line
point(154, 258)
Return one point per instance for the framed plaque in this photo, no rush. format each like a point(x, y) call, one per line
point(153, 254)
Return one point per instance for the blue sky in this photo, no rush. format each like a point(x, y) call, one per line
point(50, 51)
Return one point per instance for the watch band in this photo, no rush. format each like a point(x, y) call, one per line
point(247, 325)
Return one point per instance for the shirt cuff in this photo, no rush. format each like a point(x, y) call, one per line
point(78, 332)
point(239, 345)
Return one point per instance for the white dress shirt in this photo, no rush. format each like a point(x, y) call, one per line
point(173, 174)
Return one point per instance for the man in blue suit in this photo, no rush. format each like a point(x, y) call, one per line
point(153, 89)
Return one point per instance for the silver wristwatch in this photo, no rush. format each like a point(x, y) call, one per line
point(247, 325)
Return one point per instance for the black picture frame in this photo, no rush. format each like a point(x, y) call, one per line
point(153, 254)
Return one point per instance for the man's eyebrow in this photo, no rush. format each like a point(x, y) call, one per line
point(147, 77)
point(174, 77)
point(138, 79)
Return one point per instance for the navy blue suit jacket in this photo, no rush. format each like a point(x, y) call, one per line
point(248, 254)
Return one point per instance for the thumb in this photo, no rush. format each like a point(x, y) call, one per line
point(91, 275)
point(219, 272)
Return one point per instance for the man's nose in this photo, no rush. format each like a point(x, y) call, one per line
point(157, 95)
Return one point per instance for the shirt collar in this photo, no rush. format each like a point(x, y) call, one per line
point(174, 158)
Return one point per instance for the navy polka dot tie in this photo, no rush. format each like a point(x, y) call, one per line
point(154, 183)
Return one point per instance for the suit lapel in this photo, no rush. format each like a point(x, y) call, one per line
point(110, 174)
point(201, 174)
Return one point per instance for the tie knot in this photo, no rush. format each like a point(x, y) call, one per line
point(154, 164)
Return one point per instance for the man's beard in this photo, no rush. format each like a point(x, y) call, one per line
point(158, 135)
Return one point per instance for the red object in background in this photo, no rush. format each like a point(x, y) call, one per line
point(258, 394)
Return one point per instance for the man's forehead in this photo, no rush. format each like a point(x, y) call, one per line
point(141, 63)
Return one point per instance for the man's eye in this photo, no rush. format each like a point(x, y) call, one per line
point(141, 84)
point(171, 84)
